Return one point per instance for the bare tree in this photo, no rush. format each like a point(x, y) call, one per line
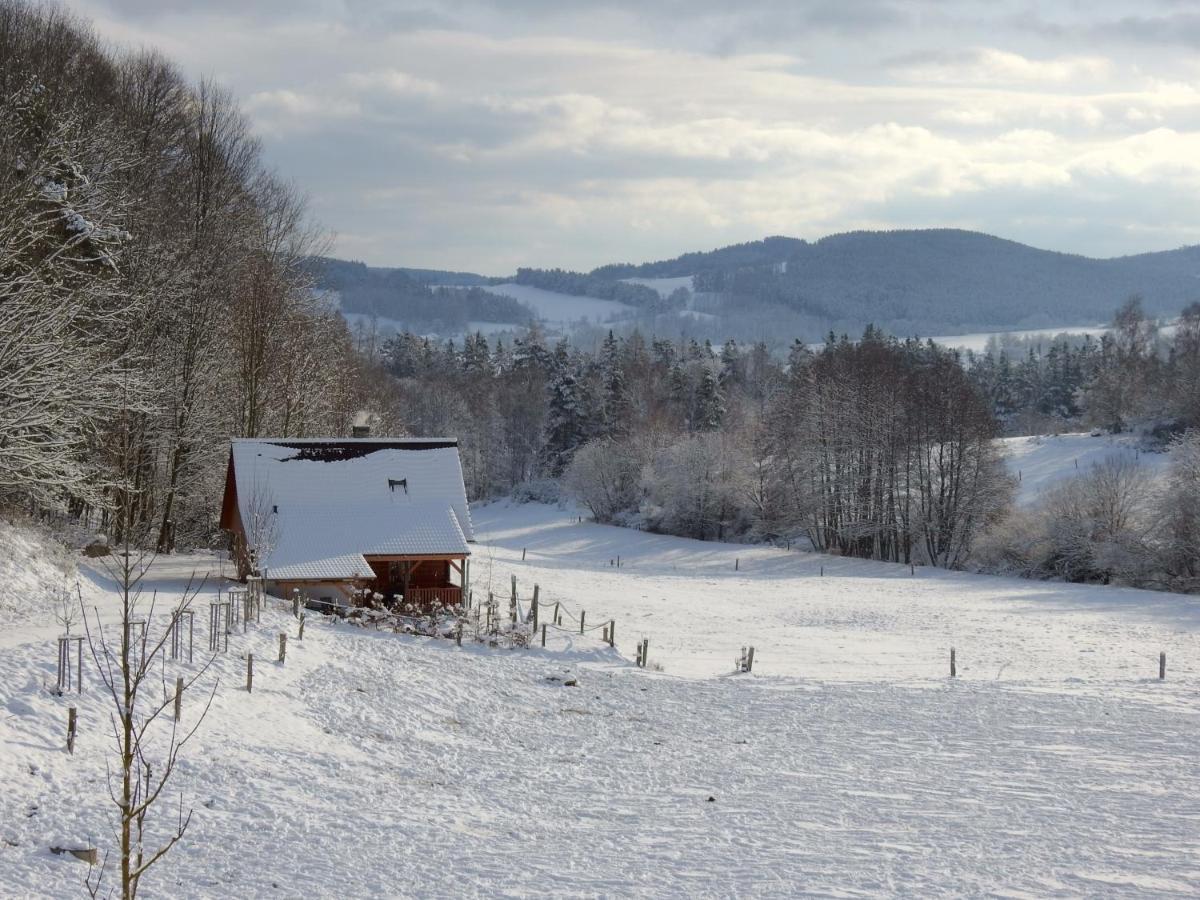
point(128, 653)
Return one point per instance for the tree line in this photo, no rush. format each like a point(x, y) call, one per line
point(153, 297)
point(877, 448)
point(1137, 374)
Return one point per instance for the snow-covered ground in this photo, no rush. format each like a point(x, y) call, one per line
point(563, 309)
point(978, 341)
point(848, 764)
point(1043, 461)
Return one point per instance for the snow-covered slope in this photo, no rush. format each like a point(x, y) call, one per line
point(563, 309)
point(34, 574)
point(1043, 461)
point(849, 764)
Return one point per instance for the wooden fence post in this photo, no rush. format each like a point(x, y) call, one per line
point(178, 697)
point(300, 634)
point(458, 633)
point(543, 635)
point(282, 645)
point(582, 617)
point(953, 666)
point(612, 633)
point(249, 673)
point(750, 660)
point(295, 603)
point(71, 715)
point(522, 554)
point(736, 563)
point(1162, 665)
point(645, 651)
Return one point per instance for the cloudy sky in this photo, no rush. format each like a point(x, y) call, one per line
point(485, 135)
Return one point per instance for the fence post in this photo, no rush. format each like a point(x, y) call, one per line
point(282, 645)
point(514, 591)
point(582, 617)
point(612, 633)
point(736, 562)
point(71, 714)
point(522, 554)
point(300, 635)
point(953, 666)
point(250, 673)
point(639, 654)
point(458, 633)
point(543, 635)
point(750, 660)
point(178, 697)
point(1162, 665)
point(557, 620)
point(295, 603)
point(645, 651)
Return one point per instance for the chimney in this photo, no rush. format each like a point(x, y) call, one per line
point(360, 431)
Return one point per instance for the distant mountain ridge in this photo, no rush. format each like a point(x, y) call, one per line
point(909, 282)
point(933, 280)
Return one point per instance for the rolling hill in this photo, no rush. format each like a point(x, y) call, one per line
point(922, 282)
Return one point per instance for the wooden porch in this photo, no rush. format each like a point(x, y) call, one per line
point(419, 580)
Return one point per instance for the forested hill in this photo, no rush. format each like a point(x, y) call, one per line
point(938, 281)
point(931, 281)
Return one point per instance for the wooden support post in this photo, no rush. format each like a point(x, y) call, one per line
point(1162, 665)
point(543, 636)
point(822, 571)
point(282, 645)
point(300, 634)
point(618, 562)
point(912, 568)
point(458, 633)
point(178, 697)
point(639, 654)
point(249, 673)
point(953, 665)
point(582, 618)
point(295, 603)
point(645, 651)
point(557, 620)
point(514, 591)
point(750, 660)
point(522, 554)
point(736, 563)
point(71, 718)
point(612, 633)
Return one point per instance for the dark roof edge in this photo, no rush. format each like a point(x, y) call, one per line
point(363, 445)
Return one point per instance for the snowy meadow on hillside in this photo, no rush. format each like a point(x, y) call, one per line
point(849, 762)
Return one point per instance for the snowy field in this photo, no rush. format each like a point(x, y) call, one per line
point(1043, 461)
point(563, 309)
point(848, 764)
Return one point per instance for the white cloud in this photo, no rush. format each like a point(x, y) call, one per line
point(560, 135)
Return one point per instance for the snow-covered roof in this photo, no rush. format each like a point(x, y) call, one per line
point(318, 507)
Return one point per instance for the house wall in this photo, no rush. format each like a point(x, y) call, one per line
point(338, 592)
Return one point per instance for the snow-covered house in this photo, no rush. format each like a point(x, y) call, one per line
point(332, 515)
